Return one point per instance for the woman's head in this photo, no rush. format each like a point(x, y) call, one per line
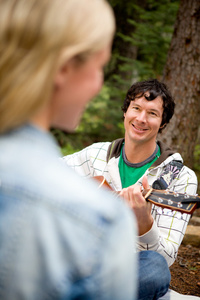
point(37, 38)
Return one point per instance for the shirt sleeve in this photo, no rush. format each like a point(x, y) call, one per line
point(169, 227)
point(89, 162)
point(80, 162)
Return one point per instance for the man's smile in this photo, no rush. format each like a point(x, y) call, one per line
point(139, 128)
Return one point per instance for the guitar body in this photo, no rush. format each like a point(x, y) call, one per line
point(183, 203)
point(103, 182)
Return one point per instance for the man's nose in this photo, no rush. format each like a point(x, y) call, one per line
point(142, 117)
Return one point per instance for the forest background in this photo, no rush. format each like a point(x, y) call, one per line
point(154, 39)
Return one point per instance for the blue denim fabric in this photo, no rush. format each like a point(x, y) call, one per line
point(154, 276)
point(60, 238)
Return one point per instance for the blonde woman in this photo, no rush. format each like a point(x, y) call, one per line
point(60, 237)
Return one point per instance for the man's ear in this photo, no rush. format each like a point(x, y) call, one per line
point(163, 126)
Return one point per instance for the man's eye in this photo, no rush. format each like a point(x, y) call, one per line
point(153, 113)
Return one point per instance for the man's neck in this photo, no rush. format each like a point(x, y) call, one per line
point(136, 153)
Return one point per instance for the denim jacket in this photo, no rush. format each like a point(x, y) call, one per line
point(60, 238)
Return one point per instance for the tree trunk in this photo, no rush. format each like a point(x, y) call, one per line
point(182, 76)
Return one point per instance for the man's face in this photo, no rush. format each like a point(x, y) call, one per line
point(142, 120)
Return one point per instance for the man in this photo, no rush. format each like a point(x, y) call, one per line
point(139, 159)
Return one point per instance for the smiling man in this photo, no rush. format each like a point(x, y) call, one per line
point(140, 159)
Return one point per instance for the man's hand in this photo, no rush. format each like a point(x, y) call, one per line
point(142, 208)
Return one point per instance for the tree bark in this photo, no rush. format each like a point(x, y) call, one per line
point(182, 76)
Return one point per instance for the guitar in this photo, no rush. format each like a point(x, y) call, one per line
point(183, 203)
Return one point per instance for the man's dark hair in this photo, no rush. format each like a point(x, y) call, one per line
point(155, 89)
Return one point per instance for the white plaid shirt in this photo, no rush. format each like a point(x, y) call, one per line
point(169, 227)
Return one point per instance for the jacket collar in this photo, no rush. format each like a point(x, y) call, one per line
point(114, 150)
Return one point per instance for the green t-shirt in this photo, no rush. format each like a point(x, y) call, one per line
point(130, 173)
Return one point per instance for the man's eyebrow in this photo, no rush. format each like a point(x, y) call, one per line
point(134, 103)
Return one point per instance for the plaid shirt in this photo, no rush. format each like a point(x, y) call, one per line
point(169, 227)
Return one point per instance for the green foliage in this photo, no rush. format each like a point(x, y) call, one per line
point(96, 122)
point(68, 149)
point(151, 34)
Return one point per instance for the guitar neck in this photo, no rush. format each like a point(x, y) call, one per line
point(183, 203)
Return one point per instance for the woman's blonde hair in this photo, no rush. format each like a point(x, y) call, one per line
point(36, 38)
